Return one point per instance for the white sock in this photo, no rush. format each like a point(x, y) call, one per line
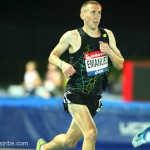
point(41, 147)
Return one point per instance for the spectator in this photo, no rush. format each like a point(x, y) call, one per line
point(32, 79)
point(54, 80)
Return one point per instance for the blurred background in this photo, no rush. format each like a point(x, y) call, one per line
point(29, 30)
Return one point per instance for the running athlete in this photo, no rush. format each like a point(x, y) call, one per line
point(141, 138)
point(92, 53)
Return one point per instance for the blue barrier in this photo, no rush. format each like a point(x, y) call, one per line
point(25, 120)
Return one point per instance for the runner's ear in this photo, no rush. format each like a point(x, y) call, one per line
point(82, 16)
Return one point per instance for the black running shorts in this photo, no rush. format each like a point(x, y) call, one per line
point(93, 102)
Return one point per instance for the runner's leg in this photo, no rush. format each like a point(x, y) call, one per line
point(83, 119)
point(69, 139)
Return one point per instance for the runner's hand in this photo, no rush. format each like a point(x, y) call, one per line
point(104, 47)
point(67, 69)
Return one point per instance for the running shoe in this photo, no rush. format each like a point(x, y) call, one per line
point(141, 138)
point(138, 140)
point(39, 144)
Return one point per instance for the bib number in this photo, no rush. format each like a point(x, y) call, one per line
point(96, 63)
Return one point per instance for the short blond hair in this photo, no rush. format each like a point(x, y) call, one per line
point(83, 6)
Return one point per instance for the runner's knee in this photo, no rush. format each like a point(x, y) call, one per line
point(91, 134)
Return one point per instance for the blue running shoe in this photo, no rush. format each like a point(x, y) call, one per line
point(138, 140)
point(141, 138)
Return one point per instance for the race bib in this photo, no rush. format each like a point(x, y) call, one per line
point(96, 62)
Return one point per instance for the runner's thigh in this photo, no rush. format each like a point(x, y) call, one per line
point(74, 132)
point(82, 117)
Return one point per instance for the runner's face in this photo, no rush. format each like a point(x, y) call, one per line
point(92, 16)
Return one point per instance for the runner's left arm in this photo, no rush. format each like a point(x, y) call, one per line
point(112, 51)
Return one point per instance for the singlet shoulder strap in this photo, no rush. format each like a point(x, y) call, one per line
point(81, 32)
point(102, 31)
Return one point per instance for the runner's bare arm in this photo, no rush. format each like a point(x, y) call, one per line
point(112, 51)
point(60, 48)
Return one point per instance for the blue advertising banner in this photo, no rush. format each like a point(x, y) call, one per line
point(25, 120)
